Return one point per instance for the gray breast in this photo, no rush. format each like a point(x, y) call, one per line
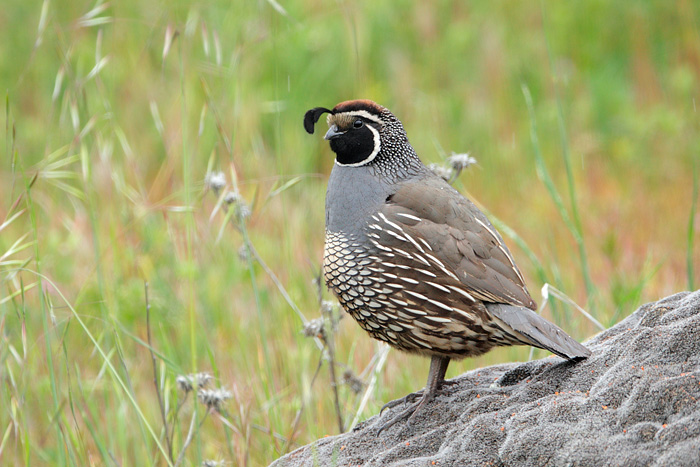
point(353, 195)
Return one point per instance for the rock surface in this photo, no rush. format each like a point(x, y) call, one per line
point(634, 402)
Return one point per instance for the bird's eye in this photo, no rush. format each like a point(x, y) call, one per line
point(358, 124)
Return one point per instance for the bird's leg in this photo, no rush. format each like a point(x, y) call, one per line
point(412, 397)
point(436, 377)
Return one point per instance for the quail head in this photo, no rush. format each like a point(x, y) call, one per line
point(414, 262)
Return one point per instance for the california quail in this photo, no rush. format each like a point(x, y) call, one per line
point(412, 260)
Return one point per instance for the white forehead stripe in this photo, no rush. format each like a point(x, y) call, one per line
point(377, 147)
point(363, 114)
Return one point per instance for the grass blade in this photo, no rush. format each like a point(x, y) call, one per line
point(566, 156)
point(691, 230)
point(546, 178)
point(107, 361)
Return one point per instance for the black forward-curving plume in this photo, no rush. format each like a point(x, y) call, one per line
point(412, 260)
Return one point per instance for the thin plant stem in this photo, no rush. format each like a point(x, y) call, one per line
point(691, 230)
point(328, 337)
point(549, 289)
point(330, 346)
point(220, 204)
point(168, 441)
point(546, 178)
point(383, 353)
point(268, 432)
point(268, 380)
point(566, 156)
point(176, 414)
point(297, 418)
point(44, 311)
point(190, 435)
point(106, 358)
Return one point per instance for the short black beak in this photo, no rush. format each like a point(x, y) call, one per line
point(333, 132)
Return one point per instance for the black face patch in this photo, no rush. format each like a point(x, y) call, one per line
point(354, 146)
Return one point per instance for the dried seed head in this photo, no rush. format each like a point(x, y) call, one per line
point(314, 328)
point(328, 309)
point(327, 306)
point(215, 181)
point(441, 171)
point(459, 162)
point(244, 253)
point(354, 383)
point(232, 197)
point(213, 463)
point(214, 398)
point(189, 382)
point(183, 383)
point(242, 208)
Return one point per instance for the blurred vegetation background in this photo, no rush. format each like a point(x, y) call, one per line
point(582, 116)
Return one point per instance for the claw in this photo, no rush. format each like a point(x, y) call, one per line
point(409, 412)
point(410, 398)
point(436, 382)
point(404, 400)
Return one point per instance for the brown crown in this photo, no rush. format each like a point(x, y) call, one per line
point(359, 104)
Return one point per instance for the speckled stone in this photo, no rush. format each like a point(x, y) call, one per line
point(634, 402)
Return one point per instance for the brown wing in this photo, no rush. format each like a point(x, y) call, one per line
point(451, 230)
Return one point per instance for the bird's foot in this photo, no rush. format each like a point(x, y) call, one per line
point(410, 412)
point(410, 398)
point(436, 384)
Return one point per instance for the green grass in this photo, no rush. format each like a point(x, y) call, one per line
point(582, 116)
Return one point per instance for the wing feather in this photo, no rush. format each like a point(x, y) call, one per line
point(460, 237)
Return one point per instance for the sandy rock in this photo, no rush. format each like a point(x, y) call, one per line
point(635, 401)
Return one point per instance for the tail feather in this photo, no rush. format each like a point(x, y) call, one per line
point(537, 331)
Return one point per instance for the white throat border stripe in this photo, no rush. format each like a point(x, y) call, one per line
point(377, 142)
